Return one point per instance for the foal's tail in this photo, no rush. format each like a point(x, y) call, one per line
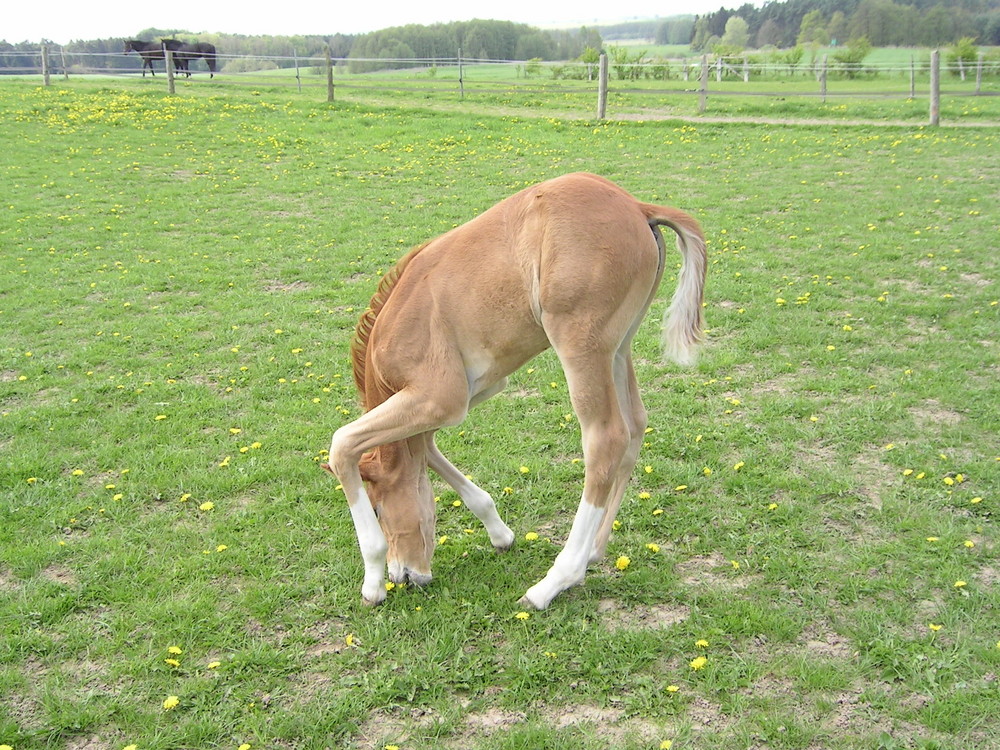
point(683, 321)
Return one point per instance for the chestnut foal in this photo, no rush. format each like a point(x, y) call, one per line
point(572, 263)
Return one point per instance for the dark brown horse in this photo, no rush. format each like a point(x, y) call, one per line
point(148, 51)
point(183, 54)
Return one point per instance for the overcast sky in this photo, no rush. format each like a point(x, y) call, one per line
point(62, 21)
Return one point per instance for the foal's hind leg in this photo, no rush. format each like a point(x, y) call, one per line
point(606, 440)
point(636, 419)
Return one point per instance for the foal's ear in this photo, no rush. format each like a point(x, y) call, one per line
point(370, 466)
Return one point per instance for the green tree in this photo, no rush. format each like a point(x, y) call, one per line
point(737, 33)
point(813, 29)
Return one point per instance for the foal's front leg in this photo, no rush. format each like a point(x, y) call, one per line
point(476, 498)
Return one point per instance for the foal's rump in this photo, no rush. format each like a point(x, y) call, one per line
point(576, 252)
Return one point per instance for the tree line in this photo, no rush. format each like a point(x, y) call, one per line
point(481, 39)
point(884, 23)
point(786, 25)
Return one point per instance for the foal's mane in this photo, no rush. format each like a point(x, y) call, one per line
point(363, 330)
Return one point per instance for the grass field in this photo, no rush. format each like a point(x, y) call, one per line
point(810, 535)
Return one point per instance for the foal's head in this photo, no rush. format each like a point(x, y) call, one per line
point(400, 492)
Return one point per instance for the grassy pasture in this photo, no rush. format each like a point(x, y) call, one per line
point(810, 534)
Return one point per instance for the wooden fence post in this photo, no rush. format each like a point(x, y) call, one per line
point(913, 78)
point(62, 56)
point(329, 76)
point(168, 61)
point(936, 87)
point(822, 79)
point(703, 85)
point(602, 86)
point(45, 65)
point(298, 76)
point(979, 74)
point(461, 77)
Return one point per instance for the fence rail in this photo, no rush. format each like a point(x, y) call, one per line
point(705, 77)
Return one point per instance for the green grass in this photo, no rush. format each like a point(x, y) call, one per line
point(180, 280)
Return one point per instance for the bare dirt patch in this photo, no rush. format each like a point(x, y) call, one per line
point(932, 413)
point(286, 286)
point(60, 574)
point(614, 616)
point(712, 570)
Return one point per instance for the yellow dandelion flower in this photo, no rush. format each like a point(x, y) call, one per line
point(648, 469)
point(224, 462)
point(934, 628)
point(622, 562)
point(976, 500)
point(738, 465)
point(443, 539)
point(127, 747)
point(949, 481)
point(644, 496)
point(969, 543)
point(666, 745)
point(960, 584)
point(171, 702)
point(772, 506)
point(680, 488)
point(176, 650)
point(699, 663)
point(524, 470)
point(658, 512)
point(77, 472)
point(208, 505)
point(245, 746)
point(701, 643)
point(214, 664)
point(652, 547)
point(522, 615)
point(172, 662)
point(531, 536)
point(706, 471)
point(221, 548)
point(672, 688)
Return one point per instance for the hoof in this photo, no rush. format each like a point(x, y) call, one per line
point(527, 603)
point(375, 599)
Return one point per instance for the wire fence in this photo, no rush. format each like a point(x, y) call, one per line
point(632, 85)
